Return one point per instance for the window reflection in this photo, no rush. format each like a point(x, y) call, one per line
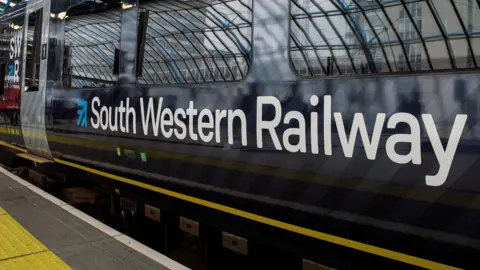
point(193, 41)
point(383, 36)
point(91, 39)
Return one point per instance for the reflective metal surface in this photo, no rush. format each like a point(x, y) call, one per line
point(376, 201)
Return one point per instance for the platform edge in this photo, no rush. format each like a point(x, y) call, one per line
point(124, 239)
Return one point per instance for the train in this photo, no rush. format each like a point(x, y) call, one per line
point(237, 128)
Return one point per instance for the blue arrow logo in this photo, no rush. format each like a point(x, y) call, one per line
point(10, 70)
point(82, 113)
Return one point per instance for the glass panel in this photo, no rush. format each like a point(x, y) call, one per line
point(439, 54)
point(91, 40)
point(354, 37)
point(461, 52)
point(11, 56)
point(196, 41)
point(32, 71)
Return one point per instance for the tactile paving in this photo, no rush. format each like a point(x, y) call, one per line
point(16, 241)
point(39, 261)
point(20, 250)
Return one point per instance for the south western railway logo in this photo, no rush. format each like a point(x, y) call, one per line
point(14, 54)
point(82, 113)
point(204, 125)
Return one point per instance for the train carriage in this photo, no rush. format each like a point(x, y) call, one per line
point(337, 132)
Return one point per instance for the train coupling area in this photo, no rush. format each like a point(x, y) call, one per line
point(39, 231)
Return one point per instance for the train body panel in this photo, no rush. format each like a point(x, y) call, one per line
point(33, 98)
point(377, 159)
point(333, 186)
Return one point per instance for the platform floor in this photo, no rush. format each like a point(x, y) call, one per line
point(20, 250)
point(39, 233)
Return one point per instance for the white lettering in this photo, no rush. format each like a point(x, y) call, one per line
point(150, 115)
point(314, 125)
point(268, 125)
point(219, 115)
point(415, 154)
point(359, 124)
point(191, 112)
point(183, 134)
point(113, 127)
point(18, 44)
point(12, 48)
point(243, 125)
point(130, 111)
point(327, 125)
point(16, 69)
point(205, 125)
point(300, 132)
point(167, 122)
point(95, 100)
point(104, 118)
point(121, 111)
point(444, 156)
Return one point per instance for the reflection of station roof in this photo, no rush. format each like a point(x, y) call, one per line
point(196, 35)
point(358, 36)
point(384, 35)
point(181, 36)
point(10, 4)
point(93, 39)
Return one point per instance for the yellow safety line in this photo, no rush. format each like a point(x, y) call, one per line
point(21, 250)
point(13, 147)
point(45, 260)
point(34, 158)
point(272, 222)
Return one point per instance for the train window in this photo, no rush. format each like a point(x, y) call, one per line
point(92, 35)
point(34, 41)
point(356, 37)
point(4, 55)
point(11, 37)
point(194, 41)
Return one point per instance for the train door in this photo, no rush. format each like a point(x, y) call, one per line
point(34, 78)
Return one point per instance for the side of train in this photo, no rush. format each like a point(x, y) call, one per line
point(268, 157)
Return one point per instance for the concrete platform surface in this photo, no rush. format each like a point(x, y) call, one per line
point(38, 231)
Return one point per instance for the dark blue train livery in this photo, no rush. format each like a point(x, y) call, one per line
point(344, 132)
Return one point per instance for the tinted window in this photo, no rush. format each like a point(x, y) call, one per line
point(92, 34)
point(195, 41)
point(333, 38)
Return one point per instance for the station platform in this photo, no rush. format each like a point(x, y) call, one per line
point(39, 231)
